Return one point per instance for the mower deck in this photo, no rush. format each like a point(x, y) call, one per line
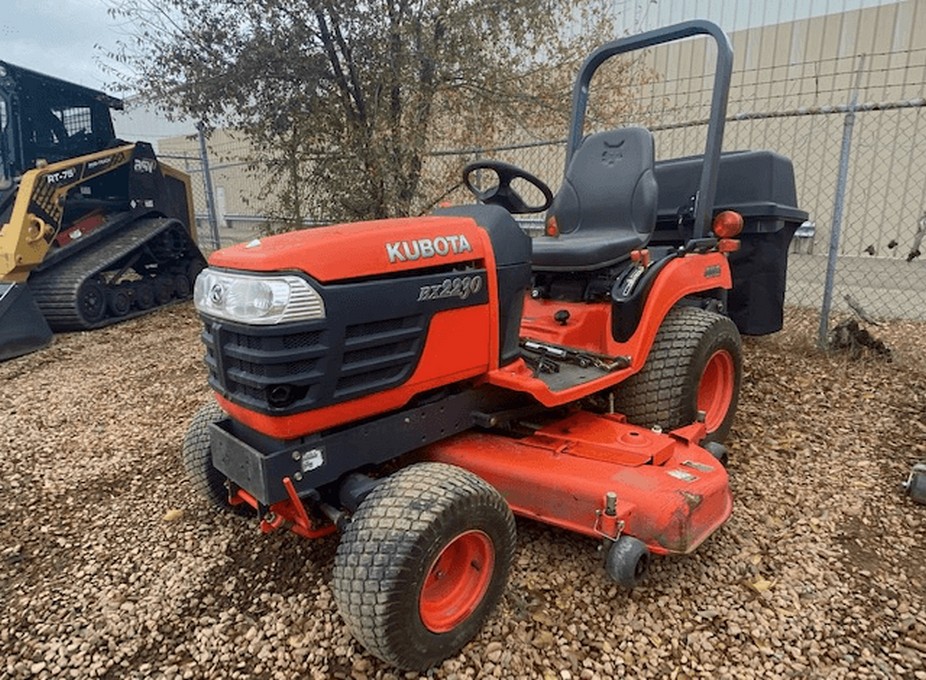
point(671, 493)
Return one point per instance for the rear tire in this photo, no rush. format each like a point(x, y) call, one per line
point(695, 364)
point(197, 461)
point(423, 563)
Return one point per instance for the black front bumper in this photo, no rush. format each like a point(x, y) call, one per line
point(258, 464)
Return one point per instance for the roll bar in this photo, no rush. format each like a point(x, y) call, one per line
point(704, 199)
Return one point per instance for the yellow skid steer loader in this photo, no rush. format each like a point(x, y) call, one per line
point(94, 230)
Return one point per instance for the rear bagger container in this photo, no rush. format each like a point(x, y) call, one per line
point(760, 186)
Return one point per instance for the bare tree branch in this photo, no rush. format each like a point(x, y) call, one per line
point(342, 101)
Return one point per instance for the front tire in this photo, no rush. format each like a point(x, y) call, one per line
point(423, 563)
point(197, 461)
point(695, 364)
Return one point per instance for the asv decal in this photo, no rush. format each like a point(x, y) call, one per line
point(423, 248)
point(460, 287)
point(146, 165)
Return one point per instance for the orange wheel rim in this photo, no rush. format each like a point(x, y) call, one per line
point(715, 391)
point(456, 581)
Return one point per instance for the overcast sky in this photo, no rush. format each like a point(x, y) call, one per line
point(59, 37)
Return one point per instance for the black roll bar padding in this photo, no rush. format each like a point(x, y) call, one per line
point(707, 188)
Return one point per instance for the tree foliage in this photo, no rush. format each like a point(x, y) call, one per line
point(342, 99)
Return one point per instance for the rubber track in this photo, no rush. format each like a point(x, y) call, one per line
point(370, 585)
point(656, 395)
point(55, 290)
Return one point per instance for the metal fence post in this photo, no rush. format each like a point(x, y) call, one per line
point(839, 204)
point(207, 182)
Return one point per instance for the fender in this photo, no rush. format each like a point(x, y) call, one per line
point(679, 278)
point(631, 291)
point(589, 327)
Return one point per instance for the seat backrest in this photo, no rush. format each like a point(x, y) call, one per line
point(609, 185)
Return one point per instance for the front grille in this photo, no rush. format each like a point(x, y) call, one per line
point(370, 340)
point(377, 354)
point(355, 383)
point(300, 366)
point(372, 328)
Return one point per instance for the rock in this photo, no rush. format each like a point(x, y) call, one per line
point(543, 639)
point(173, 515)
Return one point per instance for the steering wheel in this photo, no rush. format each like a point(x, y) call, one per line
point(502, 194)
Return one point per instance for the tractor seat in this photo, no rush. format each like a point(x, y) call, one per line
point(606, 206)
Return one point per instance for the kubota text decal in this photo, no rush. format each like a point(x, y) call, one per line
point(422, 248)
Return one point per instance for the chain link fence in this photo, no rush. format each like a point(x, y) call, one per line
point(227, 191)
point(878, 269)
point(852, 123)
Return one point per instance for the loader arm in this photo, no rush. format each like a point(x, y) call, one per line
point(38, 209)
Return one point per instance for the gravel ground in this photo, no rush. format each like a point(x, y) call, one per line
point(111, 567)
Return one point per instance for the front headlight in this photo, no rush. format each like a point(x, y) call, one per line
point(251, 299)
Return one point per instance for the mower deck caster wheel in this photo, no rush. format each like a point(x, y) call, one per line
point(627, 561)
point(718, 451)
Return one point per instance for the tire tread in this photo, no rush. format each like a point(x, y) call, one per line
point(196, 454)
point(370, 580)
point(662, 393)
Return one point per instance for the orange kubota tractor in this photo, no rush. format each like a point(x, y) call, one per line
point(450, 372)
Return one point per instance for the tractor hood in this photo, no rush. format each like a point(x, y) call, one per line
point(354, 251)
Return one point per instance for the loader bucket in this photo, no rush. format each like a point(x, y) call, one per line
point(23, 329)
